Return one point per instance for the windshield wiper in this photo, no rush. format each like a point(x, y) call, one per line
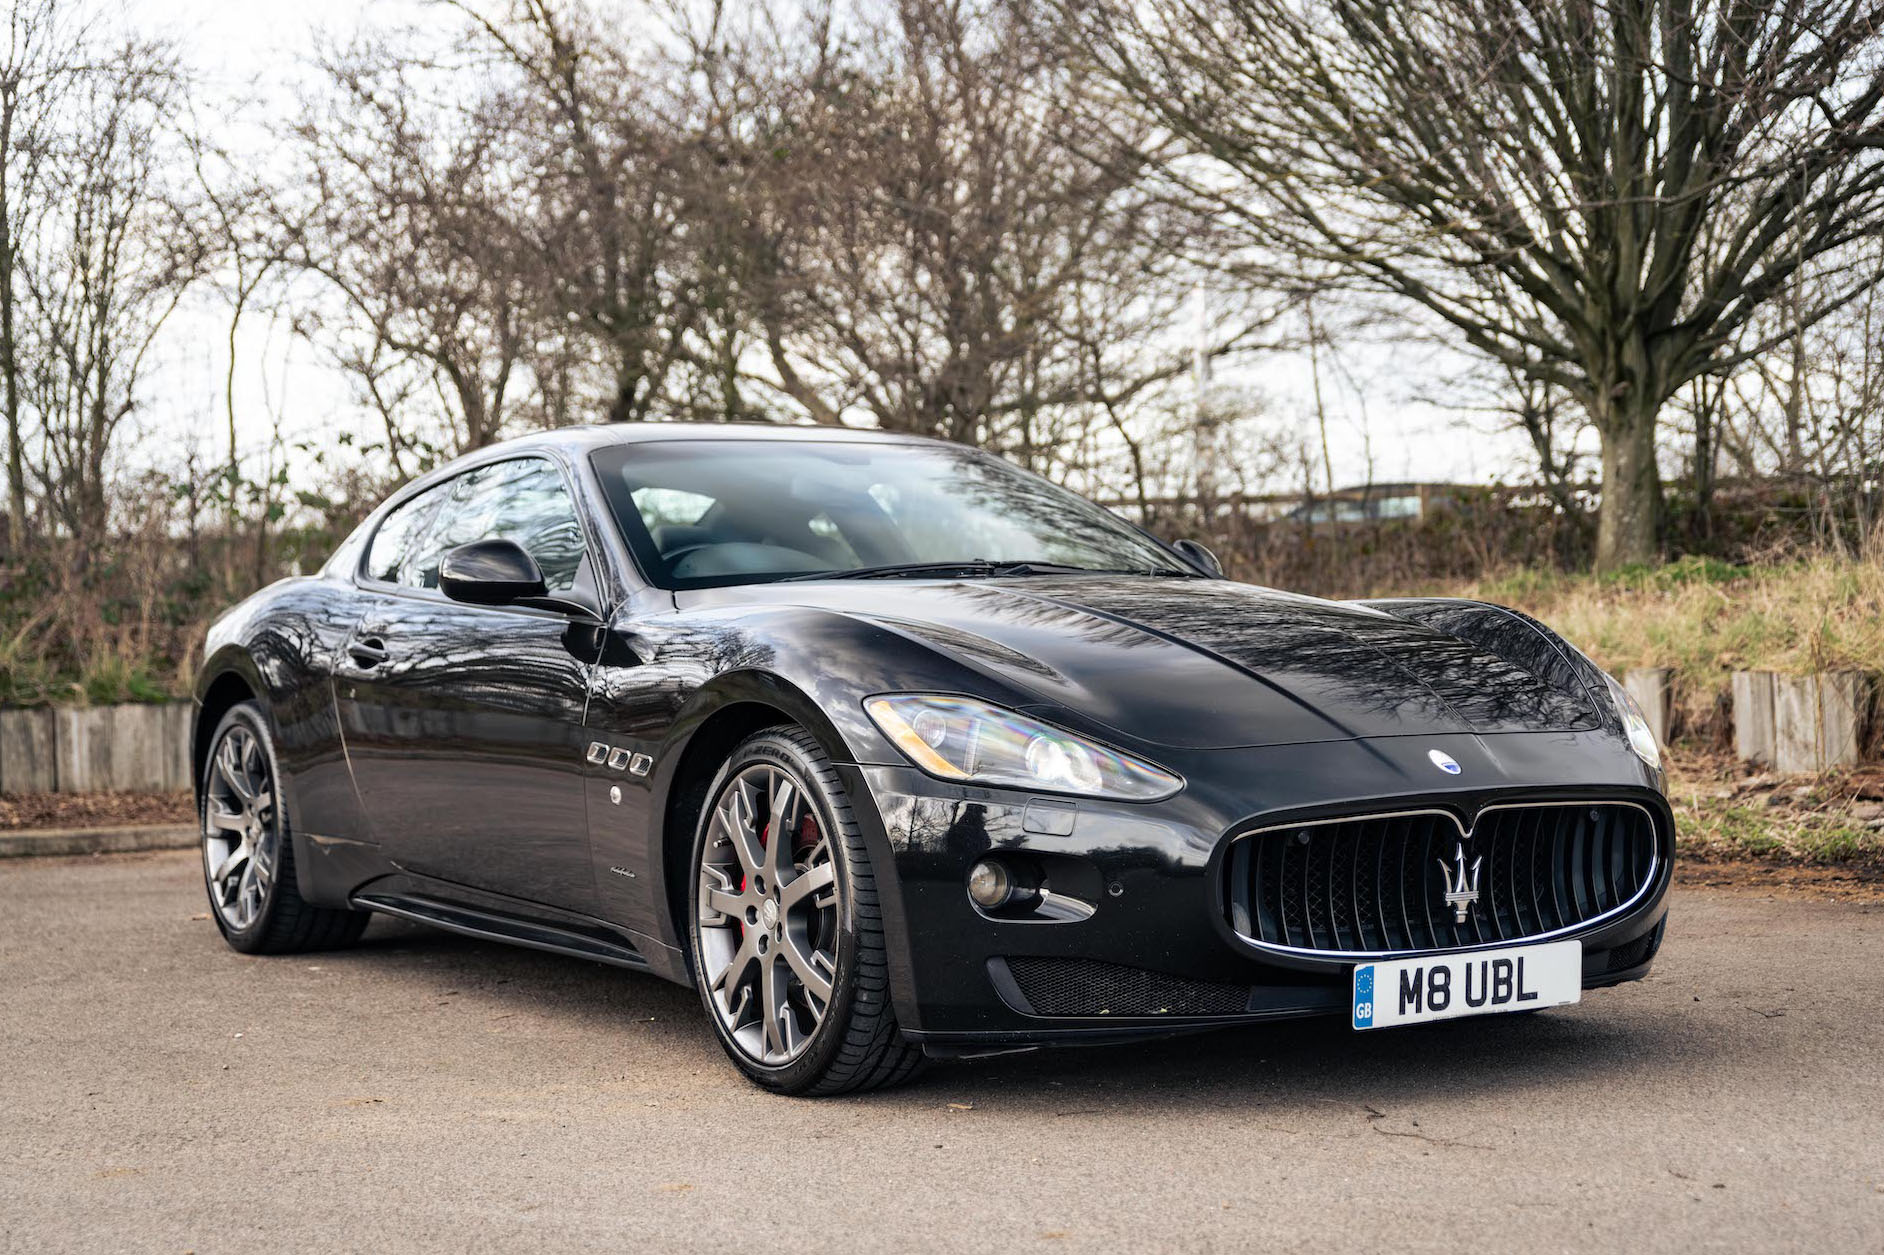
point(980, 567)
point(898, 570)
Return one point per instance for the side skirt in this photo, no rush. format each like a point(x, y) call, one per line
point(487, 925)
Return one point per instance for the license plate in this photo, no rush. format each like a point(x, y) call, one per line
point(1485, 982)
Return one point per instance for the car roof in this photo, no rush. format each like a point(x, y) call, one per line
point(573, 443)
point(577, 440)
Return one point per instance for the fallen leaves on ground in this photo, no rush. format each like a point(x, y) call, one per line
point(21, 812)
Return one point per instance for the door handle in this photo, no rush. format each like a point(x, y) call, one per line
point(367, 651)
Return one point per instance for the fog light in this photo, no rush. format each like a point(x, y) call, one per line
point(990, 885)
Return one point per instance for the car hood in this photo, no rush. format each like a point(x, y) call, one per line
point(1210, 663)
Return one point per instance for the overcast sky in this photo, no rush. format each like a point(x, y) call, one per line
point(254, 49)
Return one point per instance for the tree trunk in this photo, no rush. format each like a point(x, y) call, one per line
point(1707, 406)
point(1627, 530)
point(232, 517)
point(16, 444)
point(9, 360)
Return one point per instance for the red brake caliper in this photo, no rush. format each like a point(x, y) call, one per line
point(764, 832)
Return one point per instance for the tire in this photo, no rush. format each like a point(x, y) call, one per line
point(263, 912)
point(820, 921)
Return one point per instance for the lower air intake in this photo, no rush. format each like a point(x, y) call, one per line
point(1088, 987)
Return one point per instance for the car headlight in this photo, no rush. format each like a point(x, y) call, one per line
point(958, 738)
point(1641, 736)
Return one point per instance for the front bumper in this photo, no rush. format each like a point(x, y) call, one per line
point(1150, 874)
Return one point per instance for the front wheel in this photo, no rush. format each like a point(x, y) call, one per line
point(786, 932)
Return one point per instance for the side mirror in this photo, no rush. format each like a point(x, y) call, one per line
point(1199, 556)
point(490, 573)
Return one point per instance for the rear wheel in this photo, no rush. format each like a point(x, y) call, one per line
point(248, 856)
point(785, 928)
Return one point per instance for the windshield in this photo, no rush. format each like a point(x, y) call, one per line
point(702, 513)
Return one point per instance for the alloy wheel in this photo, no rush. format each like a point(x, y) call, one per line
point(767, 915)
point(240, 836)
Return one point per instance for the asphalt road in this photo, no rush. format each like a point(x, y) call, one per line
point(160, 1092)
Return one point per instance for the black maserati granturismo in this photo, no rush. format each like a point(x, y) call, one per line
point(892, 750)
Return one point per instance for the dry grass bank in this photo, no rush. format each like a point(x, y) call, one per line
point(1706, 619)
point(1722, 812)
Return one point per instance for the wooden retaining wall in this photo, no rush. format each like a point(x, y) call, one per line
point(1789, 723)
point(1801, 723)
point(1818, 720)
point(90, 749)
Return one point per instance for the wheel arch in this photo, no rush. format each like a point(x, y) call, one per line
point(224, 688)
point(732, 708)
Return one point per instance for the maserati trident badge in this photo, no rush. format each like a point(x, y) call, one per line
point(1462, 890)
point(1445, 762)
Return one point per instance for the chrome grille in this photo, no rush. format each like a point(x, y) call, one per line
point(1376, 885)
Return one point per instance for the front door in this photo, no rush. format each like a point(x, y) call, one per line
point(463, 724)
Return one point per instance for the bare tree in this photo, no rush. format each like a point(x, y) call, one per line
point(113, 255)
point(607, 121)
point(236, 217)
point(1600, 196)
point(957, 249)
point(1811, 414)
point(520, 207)
point(1551, 425)
point(42, 52)
point(408, 216)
